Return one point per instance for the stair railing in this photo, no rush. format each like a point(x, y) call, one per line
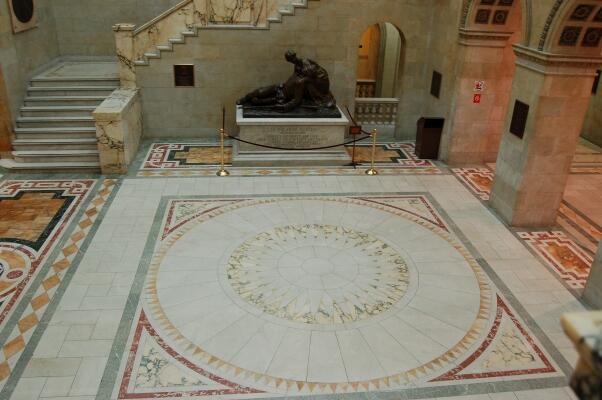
point(138, 44)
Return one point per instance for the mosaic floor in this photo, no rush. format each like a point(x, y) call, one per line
point(265, 296)
point(263, 285)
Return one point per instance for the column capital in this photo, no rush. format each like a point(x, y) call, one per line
point(482, 38)
point(555, 64)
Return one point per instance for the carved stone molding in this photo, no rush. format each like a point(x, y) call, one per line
point(556, 64)
point(471, 37)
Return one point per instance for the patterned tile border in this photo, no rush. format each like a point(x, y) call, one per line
point(37, 306)
point(158, 162)
point(559, 251)
point(23, 258)
point(119, 347)
point(562, 255)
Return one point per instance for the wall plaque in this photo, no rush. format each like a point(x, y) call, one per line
point(519, 119)
point(436, 84)
point(183, 75)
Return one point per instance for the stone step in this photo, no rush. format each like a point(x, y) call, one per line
point(75, 81)
point(56, 133)
point(57, 111)
point(45, 167)
point(46, 122)
point(55, 144)
point(70, 91)
point(52, 156)
point(64, 101)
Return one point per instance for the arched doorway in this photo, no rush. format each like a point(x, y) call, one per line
point(379, 66)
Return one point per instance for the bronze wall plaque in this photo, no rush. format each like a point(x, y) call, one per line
point(183, 75)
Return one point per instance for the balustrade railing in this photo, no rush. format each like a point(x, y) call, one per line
point(365, 88)
point(376, 111)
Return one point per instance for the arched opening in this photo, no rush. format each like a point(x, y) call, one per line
point(553, 87)
point(379, 69)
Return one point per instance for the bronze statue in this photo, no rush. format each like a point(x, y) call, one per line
point(305, 94)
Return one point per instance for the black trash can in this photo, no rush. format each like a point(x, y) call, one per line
point(428, 137)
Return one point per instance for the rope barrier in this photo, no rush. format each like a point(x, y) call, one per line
point(292, 149)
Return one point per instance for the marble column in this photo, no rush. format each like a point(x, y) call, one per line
point(6, 125)
point(124, 42)
point(593, 290)
point(475, 130)
point(531, 172)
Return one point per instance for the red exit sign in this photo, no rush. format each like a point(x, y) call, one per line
point(476, 99)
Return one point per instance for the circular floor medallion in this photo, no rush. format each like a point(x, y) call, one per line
point(318, 274)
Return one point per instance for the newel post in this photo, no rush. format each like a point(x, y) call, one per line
point(124, 42)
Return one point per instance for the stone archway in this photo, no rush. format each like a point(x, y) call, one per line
point(549, 101)
point(380, 67)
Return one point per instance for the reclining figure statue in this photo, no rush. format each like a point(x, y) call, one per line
point(307, 88)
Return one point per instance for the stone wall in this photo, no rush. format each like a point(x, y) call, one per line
point(84, 26)
point(229, 63)
point(443, 57)
point(592, 130)
point(22, 54)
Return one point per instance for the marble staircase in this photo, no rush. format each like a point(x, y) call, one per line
point(55, 130)
point(146, 51)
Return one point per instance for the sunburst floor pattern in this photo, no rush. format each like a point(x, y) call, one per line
point(259, 297)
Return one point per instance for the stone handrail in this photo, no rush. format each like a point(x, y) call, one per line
point(161, 16)
point(365, 88)
point(137, 45)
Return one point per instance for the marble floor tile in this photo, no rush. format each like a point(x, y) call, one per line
point(401, 286)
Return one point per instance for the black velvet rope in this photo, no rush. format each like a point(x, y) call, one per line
point(290, 149)
point(355, 123)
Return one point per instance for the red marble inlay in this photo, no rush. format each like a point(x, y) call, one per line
point(502, 309)
point(145, 325)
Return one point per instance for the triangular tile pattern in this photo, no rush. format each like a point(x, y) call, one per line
point(155, 370)
point(183, 211)
point(508, 350)
point(417, 206)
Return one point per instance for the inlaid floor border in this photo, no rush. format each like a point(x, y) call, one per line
point(521, 233)
point(68, 265)
point(118, 349)
point(136, 168)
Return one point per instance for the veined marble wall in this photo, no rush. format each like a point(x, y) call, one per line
point(84, 26)
point(229, 63)
point(23, 53)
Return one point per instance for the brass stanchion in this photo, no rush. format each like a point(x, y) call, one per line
point(372, 170)
point(222, 171)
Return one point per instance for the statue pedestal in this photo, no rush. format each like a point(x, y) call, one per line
point(293, 133)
